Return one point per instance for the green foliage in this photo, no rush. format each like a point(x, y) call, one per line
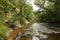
point(50, 12)
point(13, 10)
point(3, 27)
point(17, 10)
point(25, 14)
point(3, 30)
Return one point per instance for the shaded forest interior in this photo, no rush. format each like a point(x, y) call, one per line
point(17, 17)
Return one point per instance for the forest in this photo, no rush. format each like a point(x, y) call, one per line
point(18, 16)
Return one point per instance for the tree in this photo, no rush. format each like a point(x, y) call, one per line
point(17, 10)
point(16, 13)
point(49, 11)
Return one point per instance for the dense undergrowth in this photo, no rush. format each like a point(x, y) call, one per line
point(3, 30)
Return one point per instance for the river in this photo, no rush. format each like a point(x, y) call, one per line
point(34, 30)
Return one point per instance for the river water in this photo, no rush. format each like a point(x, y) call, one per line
point(34, 30)
point(43, 27)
